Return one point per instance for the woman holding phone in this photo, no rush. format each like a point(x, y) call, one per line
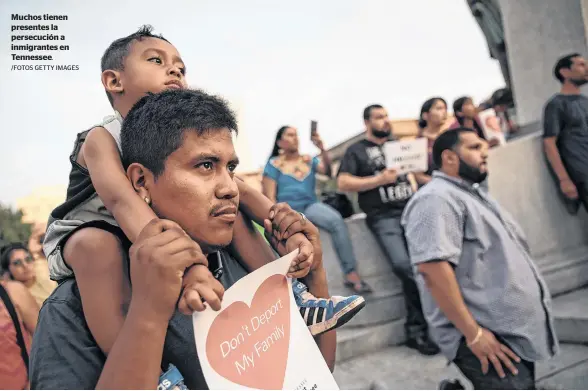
point(291, 177)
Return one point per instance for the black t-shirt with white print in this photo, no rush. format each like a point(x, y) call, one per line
point(365, 158)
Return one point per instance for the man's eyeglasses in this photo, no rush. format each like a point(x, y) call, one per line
point(21, 262)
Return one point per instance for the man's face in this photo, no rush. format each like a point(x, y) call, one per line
point(468, 110)
point(378, 123)
point(20, 266)
point(473, 154)
point(197, 189)
point(152, 65)
point(577, 72)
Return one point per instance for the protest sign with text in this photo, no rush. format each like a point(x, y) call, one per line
point(258, 339)
point(491, 126)
point(407, 155)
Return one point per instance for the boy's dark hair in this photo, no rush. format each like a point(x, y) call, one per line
point(447, 140)
point(368, 110)
point(155, 126)
point(5, 252)
point(426, 107)
point(458, 104)
point(564, 62)
point(113, 58)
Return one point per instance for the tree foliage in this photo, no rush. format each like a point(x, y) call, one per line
point(12, 228)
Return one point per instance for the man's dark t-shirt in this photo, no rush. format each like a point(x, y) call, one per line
point(65, 355)
point(566, 118)
point(365, 158)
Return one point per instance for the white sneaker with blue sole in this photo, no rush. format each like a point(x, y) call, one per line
point(322, 315)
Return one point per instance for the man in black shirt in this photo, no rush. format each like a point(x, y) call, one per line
point(382, 196)
point(565, 130)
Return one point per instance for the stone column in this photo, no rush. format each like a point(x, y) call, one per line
point(537, 32)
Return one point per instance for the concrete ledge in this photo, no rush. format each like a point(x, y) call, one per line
point(384, 305)
point(356, 342)
point(521, 182)
point(571, 317)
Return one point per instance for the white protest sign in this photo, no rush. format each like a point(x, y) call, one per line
point(407, 156)
point(258, 340)
point(491, 126)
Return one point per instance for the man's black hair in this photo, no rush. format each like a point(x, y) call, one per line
point(447, 140)
point(458, 104)
point(113, 58)
point(155, 126)
point(564, 62)
point(368, 110)
point(5, 252)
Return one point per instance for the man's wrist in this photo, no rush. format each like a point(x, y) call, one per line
point(378, 179)
point(471, 332)
point(147, 319)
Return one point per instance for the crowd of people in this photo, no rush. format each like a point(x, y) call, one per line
point(156, 225)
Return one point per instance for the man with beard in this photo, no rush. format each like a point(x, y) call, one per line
point(382, 196)
point(565, 130)
point(486, 303)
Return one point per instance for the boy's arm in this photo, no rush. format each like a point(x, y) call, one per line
point(112, 185)
point(255, 204)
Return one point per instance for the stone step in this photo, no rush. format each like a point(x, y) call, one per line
point(399, 367)
point(564, 275)
point(571, 316)
point(385, 304)
point(357, 341)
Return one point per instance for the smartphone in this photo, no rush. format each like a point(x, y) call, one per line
point(313, 126)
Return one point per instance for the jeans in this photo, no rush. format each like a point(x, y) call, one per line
point(390, 235)
point(471, 368)
point(327, 218)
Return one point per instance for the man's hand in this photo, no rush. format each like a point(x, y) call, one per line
point(488, 350)
point(569, 189)
point(287, 230)
point(160, 256)
point(387, 176)
point(200, 287)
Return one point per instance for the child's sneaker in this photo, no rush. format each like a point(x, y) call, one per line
point(322, 315)
point(172, 379)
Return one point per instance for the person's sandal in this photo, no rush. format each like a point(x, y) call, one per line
point(359, 287)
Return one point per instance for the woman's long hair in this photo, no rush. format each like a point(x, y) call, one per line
point(426, 107)
point(276, 149)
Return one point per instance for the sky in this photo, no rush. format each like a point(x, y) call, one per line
point(277, 63)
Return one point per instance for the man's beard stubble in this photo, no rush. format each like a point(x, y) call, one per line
point(579, 82)
point(471, 173)
point(381, 133)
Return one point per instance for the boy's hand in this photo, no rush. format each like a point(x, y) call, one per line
point(290, 230)
point(200, 287)
point(159, 260)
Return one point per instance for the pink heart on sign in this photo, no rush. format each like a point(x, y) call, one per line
point(258, 358)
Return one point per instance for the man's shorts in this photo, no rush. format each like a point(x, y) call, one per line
point(91, 213)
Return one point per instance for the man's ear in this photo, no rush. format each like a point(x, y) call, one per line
point(449, 156)
point(112, 82)
point(142, 179)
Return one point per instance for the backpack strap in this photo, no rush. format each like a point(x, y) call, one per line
point(19, 337)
